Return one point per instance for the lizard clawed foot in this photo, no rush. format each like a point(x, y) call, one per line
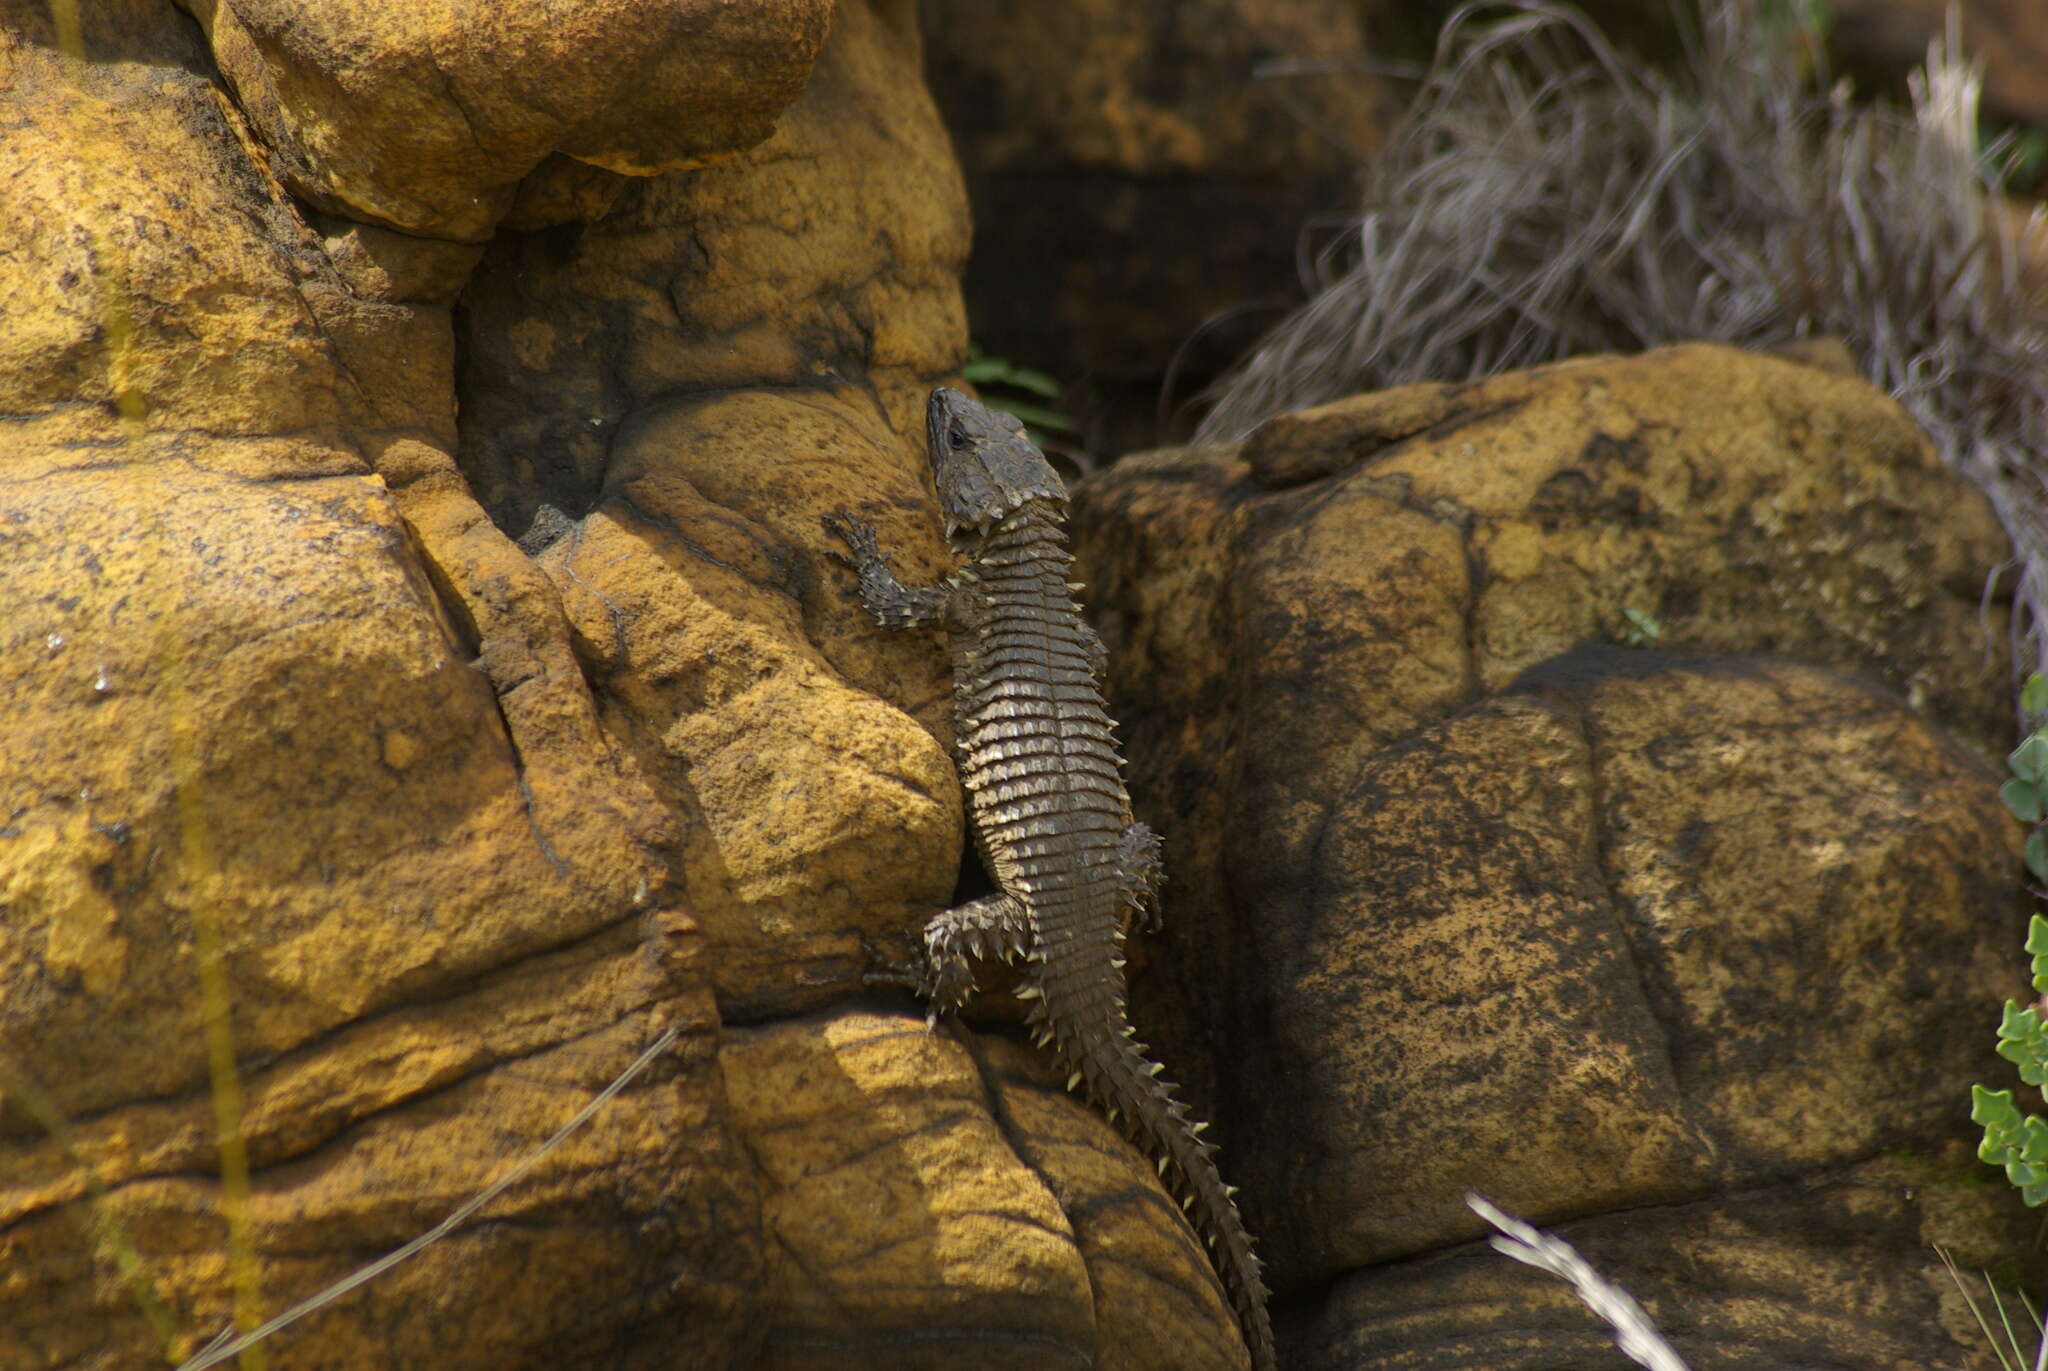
point(1142, 872)
point(858, 535)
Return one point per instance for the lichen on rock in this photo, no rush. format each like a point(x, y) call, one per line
point(1515, 906)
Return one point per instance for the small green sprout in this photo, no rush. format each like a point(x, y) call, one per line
point(2025, 792)
point(1644, 628)
point(2019, 1142)
point(2015, 1140)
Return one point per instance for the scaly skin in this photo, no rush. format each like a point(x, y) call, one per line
point(1050, 815)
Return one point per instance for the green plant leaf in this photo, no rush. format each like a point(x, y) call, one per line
point(1035, 416)
point(1988, 1107)
point(2029, 761)
point(1645, 628)
point(2036, 852)
point(2034, 696)
point(983, 370)
point(2023, 798)
point(2037, 945)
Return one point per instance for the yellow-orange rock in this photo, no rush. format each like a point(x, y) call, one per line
point(1597, 912)
point(931, 1200)
point(308, 828)
point(425, 114)
point(367, 1138)
point(661, 406)
point(330, 811)
point(236, 689)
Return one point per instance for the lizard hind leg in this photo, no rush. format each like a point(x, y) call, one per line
point(992, 926)
point(1139, 867)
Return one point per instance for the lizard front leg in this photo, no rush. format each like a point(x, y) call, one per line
point(893, 604)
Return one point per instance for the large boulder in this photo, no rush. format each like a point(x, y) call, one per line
point(1577, 788)
point(312, 840)
point(426, 115)
point(660, 407)
point(414, 709)
point(933, 1200)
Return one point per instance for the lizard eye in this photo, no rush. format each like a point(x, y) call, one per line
point(956, 439)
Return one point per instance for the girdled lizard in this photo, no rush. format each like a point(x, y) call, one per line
point(1049, 811)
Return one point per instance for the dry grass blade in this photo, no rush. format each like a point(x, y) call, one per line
point(1634, 1334)
point(2011, 1356)
point(223, 1347)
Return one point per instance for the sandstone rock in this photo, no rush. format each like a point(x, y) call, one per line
point(1157, 1301)
point(365, 1139)
point(1136, 172)
point(301, 763)
point(815, 812)
point(425, 115)
point(218, 628)
point(1514, 907)
point(299, 767)
point(314, 772)
point(931, 1200)
point(662, 405)
point(1729, 915)
point(423, 748)
point(1731, 1281)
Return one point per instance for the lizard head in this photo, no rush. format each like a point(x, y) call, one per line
point(983, 464)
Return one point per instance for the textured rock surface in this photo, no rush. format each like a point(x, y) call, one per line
point(217, 620)
point(425, 683)
point(933, 1200)
point(368, 1137)
point(660, 407)
point(1832, 1272)
point(1139, 169)
point(303, 745)
point(425, 114)
point(1513, 907)
point(252, 645)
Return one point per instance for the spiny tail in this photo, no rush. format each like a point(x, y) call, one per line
point(1124, 1082)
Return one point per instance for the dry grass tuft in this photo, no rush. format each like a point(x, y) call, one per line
point(1543, 198)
